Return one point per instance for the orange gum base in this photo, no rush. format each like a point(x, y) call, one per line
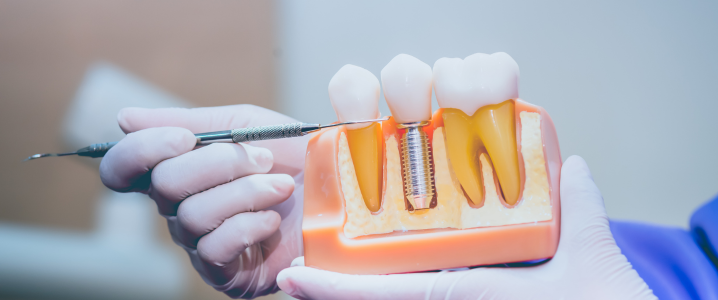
point(326, 247)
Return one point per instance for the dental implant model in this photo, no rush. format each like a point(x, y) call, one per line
point(407, 89)
point(486, 164)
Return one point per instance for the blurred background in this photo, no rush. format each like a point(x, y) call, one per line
point(629, 85)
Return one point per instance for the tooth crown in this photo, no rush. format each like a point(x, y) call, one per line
point(407, 88)
point(354, 93)
point(476, 81)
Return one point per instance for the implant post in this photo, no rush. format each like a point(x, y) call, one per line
point(417, 165)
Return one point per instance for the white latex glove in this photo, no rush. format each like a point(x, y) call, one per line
point(226, 204)
point(587, 265)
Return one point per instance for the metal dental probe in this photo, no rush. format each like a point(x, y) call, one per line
point(239, 135)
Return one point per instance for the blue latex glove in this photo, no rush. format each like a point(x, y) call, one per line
point(676, 263)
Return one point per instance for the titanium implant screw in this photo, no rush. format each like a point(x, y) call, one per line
point(417, 162)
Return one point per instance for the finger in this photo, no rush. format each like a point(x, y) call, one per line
point(298, 262)
point(125, 167)
point(220, 250)
point(310, 283)
point(479, 283)
point(199, 119)
point(585, 234)
point(581, 201)
point(204, 212)
point(177, 178)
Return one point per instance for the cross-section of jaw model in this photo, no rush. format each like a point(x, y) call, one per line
point(476, 183)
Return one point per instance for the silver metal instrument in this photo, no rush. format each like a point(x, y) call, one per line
point(417, 165)
point(239, 135)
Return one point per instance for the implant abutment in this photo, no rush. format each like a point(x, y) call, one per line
point(417, 165)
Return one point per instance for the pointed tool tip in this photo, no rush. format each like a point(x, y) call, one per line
point(33, 157)
point(36, 156)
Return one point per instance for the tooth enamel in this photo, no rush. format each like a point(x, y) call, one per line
point(479, 80)
point(477, 92)
point(407, 88)
point(354, 93)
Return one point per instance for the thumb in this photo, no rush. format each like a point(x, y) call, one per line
point(582, 206)
point(497, 283)
point(586, 239)
point(308, 283)
point(587, 251)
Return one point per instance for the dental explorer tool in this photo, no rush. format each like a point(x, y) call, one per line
point(239, 135)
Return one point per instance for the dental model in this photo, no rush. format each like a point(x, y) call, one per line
point(474, 184)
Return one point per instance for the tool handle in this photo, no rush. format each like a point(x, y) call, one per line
point(270, 132)
point(96, 150)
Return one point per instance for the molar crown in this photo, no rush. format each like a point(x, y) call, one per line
point(476, 81)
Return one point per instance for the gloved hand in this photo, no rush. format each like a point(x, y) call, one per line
point(587, 265)
point(232, 207)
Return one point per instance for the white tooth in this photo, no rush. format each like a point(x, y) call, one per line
point(354, 93)
point(478, 80)
point(407, 88)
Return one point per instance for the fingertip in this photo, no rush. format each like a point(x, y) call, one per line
point(126, 119)
point(188, 139)
point(108, 176)
point(298, 262)
point(577, 166)
point(289, 281)
point(273, 219)
point(576, 177)
point(284, 184)
point(284, 282)
point(261, 157)
point(575, 159)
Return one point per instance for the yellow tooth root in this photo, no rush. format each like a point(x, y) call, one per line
point(463, 149)
point(367, 149)
point(491, 129)
point(496, 127)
